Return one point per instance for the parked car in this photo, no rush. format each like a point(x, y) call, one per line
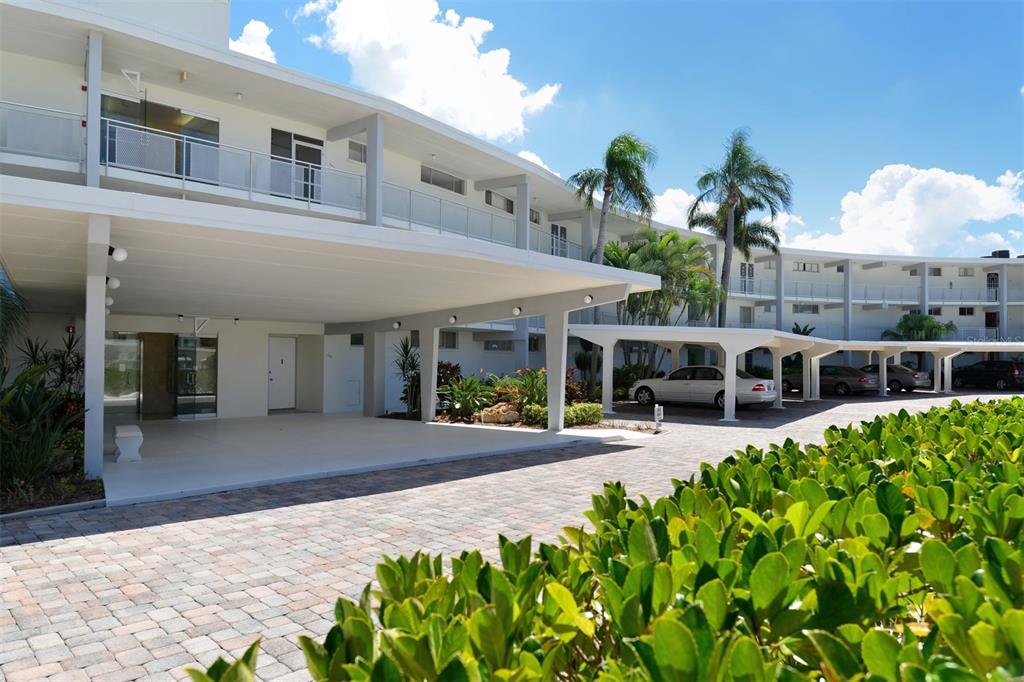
point(703, 384)
point(836, 379)
point(997, 374)
point(901, 377)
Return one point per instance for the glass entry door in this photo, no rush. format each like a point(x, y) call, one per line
point(195, 376)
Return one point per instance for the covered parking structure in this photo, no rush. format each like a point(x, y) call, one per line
point(731, 342)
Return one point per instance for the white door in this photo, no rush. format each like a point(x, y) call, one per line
point(281, 373)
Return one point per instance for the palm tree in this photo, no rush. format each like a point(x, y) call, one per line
point(13, 316)
point(622, 182)
point(760, 234)
point(918, 327)
point(743, 182)
point(802, 329)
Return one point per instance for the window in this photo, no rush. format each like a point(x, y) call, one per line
point(503, 345)
point(935, 272)
point(769, 264)
point(448, 340)
point(500, 202)
point(357, 151)
point(841, 267)
point(559, 240)
point(770, 308)
point(966, 311)
point(681, 374)
point(912, 272)
point(414, 338)
point(802, 266)
point(535, 346)
point(447, 181)
point(935, 310)
point(806, 308)
point(535, 216)
point(914, 311)
point(706, 374)
point(355, 341)
point(746, 269)
point(965, 272)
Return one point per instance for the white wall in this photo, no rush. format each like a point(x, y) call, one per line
point(309, 373)
point(343, 374)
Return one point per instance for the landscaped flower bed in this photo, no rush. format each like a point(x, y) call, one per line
point(891, 552)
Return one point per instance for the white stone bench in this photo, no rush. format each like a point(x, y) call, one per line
point(127, 441)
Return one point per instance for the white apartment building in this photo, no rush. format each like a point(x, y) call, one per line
point(283, 232)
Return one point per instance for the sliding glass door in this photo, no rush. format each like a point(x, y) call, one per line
point(195, 376)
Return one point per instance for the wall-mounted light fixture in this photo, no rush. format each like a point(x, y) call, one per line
point(517, 311)
point(588, 299)
point(113, 283)
point(110, 301)
point(452, 319)
point(236, 320)
point(181, 318)
point(117, 253)
point(396, 325)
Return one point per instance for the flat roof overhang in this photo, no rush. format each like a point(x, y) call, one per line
point(195, 258)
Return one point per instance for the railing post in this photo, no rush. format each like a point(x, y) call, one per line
point(252, 177)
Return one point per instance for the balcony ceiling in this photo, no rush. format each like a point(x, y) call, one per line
point(350, 274)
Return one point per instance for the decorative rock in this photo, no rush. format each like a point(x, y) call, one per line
point(502, 413)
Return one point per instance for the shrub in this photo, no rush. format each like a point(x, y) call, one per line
point(890, 552)
point(466, 397)
point(575, 415)
point(575, 391)
point(447, 372)
point(625, 376)
point(761, 372)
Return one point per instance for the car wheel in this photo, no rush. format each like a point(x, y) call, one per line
point(786, 386)
point(1001, 384)
point(644, 396)
point(842, 389)
point(958, 382)
point(720, 400)
point(895, 386)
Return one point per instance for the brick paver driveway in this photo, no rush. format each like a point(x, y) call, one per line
point(141, 592)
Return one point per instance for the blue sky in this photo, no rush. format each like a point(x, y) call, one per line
point(912, 111)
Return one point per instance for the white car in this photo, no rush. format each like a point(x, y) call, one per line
point(703, 384)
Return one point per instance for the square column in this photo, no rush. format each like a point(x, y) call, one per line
point(374, 359)
point(587, 235)
point(808, 394)
point(375, 170)
point(95, 339)
point(936, 372)
point(947, 374)
point(94, 90)
point(429, 339)
point(556, 326)
point(607, 378)
point(848, 301)
point(729, 411)
point(883, 374)
point(780, 292)
point(924, 288)
point(523, 215)
point(777, 377)
point(1004, 300)
point(816, 378)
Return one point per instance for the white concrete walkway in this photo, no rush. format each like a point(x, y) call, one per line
point(181, 458)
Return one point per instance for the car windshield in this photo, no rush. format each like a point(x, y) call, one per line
point(744, 375)
point(848, 371)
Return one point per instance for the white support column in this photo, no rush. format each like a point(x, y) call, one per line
point(780, 292)
point(523, 215)
point(729, 413)
point(607, 378)
point(777, 377)
point(936, 372)
point(374, 359)
point(555, 343)
point(1004, 308)
point(808, 394)
point(883, 374)
point(375, 170)
point(94, 90)
point(924, 289)
point(587, 234)
point(428, 373)
point(95, 338)
point(848, 301)
point(816, 378)
point(947, 374)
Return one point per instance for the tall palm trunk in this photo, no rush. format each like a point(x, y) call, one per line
point(598, 257)
point(730, 238)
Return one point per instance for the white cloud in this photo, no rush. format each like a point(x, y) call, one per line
point(253, 41)
point(785, 223)
point(1022, 89)
point(534, 158)
point(672, 205)
point(907, 210)
point(406, 50)
point(315, 40)
point(1016, 234)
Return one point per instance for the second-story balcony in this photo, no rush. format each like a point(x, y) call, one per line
point(867, 294)
point(52, 138)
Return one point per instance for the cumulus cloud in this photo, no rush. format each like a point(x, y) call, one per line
point(672, 205)
point(534, 158)
point(253, 41)
point(907, 210)
point(1015, 234)
point(314, 40)
point(408, 51)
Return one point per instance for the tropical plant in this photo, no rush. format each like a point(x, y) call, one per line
point(891, 552)
point(747, 235)
point(13, 317)
point(242, 670)
point(918, 327)
point(577, 414)
point(802, 329)
point(65, 366)
point(447, 372)
point(744, 181)
point(467, 396)
point(621, 181)
point(407, 364)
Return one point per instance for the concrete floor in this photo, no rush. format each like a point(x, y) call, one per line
point(183, 458)
point(141, 592)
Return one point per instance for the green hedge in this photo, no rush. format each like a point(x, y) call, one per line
point(575, 415)
point(890, 552)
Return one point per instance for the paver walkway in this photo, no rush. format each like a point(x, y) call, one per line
point(141, 592)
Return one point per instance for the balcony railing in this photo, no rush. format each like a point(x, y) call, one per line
point(425, 210)
point(545, 242)
point(189, 159)
point(39, 132)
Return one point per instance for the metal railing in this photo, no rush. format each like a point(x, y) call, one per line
point(41, 132)
point(545, 242)
point(189, 159)
point(425, 210)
